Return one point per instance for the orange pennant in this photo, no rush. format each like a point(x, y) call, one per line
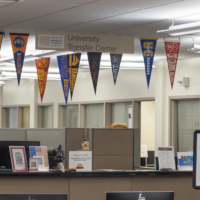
point(42, 66)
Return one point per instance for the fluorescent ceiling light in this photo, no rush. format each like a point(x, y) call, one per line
point(182, 26)
point(188, 28)
point(10, 0)
point(30, 75)
point(185, 32)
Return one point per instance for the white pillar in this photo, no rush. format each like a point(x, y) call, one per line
point(160, 105)
point(33, 103)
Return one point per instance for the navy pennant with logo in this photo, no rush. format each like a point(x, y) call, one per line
point(115, 63)
point(64, 74)
point(19, 42)
point(148, 46)
point(94, 59)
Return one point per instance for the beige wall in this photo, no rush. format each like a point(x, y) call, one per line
point(148, 124)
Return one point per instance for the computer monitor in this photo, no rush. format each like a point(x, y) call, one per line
point(196, 160)
point(140, 195)
point(5, 161)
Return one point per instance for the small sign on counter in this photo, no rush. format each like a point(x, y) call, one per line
point(143, 151)
point(80, 160)
point(166, 157)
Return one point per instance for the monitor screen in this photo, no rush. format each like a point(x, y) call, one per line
point(196, 160)
point(140, 195)
point(5, 153)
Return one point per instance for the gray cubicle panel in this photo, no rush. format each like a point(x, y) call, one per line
point(74, 139)
point(115, 148)
point(51, 138)
point(10, 134)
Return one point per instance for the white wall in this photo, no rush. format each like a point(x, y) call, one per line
point(148, 124)
point(130, 84)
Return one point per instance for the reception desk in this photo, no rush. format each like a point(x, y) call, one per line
point(93, 185)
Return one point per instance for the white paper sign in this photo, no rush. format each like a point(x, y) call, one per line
point(51, 41)
point(166, 157)
point(143, 151)
point(84, 42)
point(80, 160)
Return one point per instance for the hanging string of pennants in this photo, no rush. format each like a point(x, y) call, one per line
point(69, 64)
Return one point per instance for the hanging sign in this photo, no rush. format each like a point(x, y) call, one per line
point(84, 42)
point(64, 74)
point(94, 59)
point(19, 42)
point(115, 63)
point(74, 60)
point(2, 33)
point(42, 66)
point(172, 51)
point(148, 46)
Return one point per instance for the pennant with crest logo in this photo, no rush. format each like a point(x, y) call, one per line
point(172, 51)
point(42, 66)
point(148, 46)
point(74, 60)
point(2, 33)
point(64, 74)
point(94, 59)
point(19, 42)
point(115, 63)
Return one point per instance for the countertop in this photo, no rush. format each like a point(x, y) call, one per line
point(97, 173)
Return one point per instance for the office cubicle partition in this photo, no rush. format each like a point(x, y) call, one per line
point(112, 148)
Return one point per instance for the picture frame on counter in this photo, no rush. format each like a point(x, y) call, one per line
point(18, 158)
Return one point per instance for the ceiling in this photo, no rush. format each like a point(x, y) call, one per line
point(129, 17)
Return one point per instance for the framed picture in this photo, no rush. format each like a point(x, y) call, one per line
point(33, 164)
point(196, 160)
point(18, 158)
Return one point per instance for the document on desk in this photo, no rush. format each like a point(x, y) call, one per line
point(166, 157)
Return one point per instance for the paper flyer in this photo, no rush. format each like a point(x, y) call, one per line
point(185, 160)
point(166, 157)
point(40, 152)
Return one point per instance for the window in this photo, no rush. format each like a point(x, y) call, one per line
point(45, 118)
point(94, 114)
point(188, 122)
point(122, 113)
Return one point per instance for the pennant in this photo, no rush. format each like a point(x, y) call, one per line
point(74, 60)
point(148, 46)
point(94, 59)
point(2, 33)
point(115, 63)
point(42, 66)
point(19, 42)
point(64, 74)
point(172, 51)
